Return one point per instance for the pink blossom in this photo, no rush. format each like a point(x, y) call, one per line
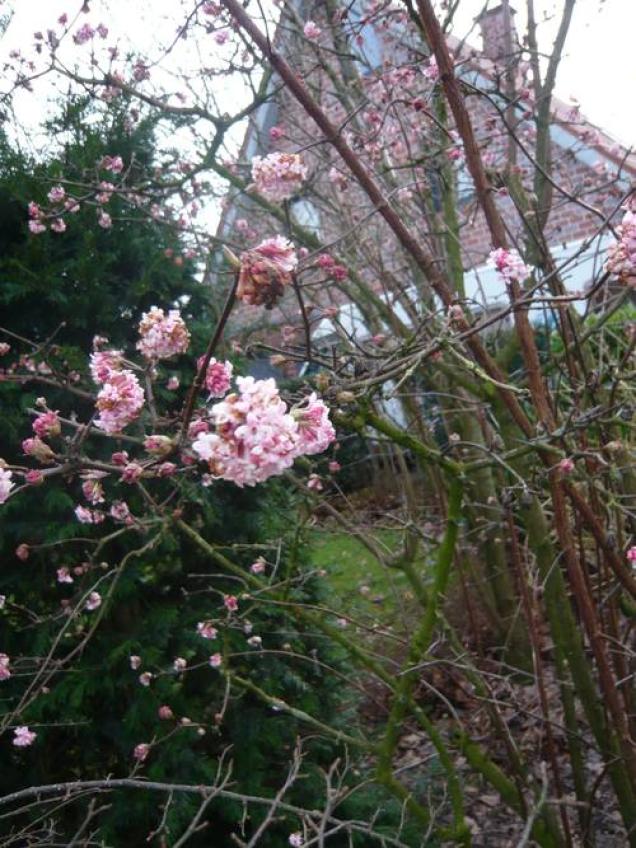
point(311, 30)
point(119, 401)
point(276, 133)
point(141, 751)
point(217, 376)
point(278, 176)
point(34, 210)
point(94, 601)
point(34, 477)
point(104, 362)
point(631, 554)
point(93, 491)
point(38, 450)
point(337, 179)
point(196, 427)
point(114, 164)
point(258, 566)
point(104, 220)
point(88, 516)
point(5, 347)
point(230, 603)
point(326, 261)
point(23, 552)
point(265, 271)
point(72, 206)
point(105, 193)
point(84, 33)
point(207, 630)
point(509, 264)
point(216, 660)
point(566, 466)
point(166, 469)
point(120, 511)
point(165, 713)
point(255, 437)
point(158, 445)
point(132, 472)
point(57, 194)
point(23, 737)
point(58, 225)
point(314, 482)
point(431, 72)
point(296, 840)
point(339, 273)
point(315, 430)
point(172, 384)
point(141, 71)
point(36, 227)
point(6, 484)
point(621, 256)
point(64, 575)
point(145, 678)
point(180, 664)
point(5, 672)
point(47, 425)
point(120, 458)
point(334, 466)
point(162, 335)
point(255, 642)
point(135, 661)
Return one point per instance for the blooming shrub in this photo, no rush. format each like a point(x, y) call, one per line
point(278, 176)
point(265, 272)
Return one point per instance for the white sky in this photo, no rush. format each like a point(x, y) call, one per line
point(598, 68)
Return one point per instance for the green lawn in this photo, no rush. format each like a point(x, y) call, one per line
point(358, 585)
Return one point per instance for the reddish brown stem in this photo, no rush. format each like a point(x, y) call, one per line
point(197, 385)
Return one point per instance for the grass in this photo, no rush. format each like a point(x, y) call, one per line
point(359, 585)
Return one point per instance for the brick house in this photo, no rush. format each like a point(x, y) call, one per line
point(591, 171)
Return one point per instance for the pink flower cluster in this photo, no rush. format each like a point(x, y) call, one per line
point(329, 264)
point(217, 376)
point(5, 672)
point(47, 425)
point(114, 164)
point(257, 437)
point(311, 30)
point(104, 362)
point(278, 176)
point(265, 271)
point(119, 401)
point(621, 256)
point(88, 516)
point(431, 72)
point(315, 430)
point(509, 264)
point(6, 484)
point(38, 450)
point(23, 737)
point(162, 335)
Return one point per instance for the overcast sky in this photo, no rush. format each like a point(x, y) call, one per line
point(598, 67)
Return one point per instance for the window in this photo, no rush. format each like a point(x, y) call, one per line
point(306, 215)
